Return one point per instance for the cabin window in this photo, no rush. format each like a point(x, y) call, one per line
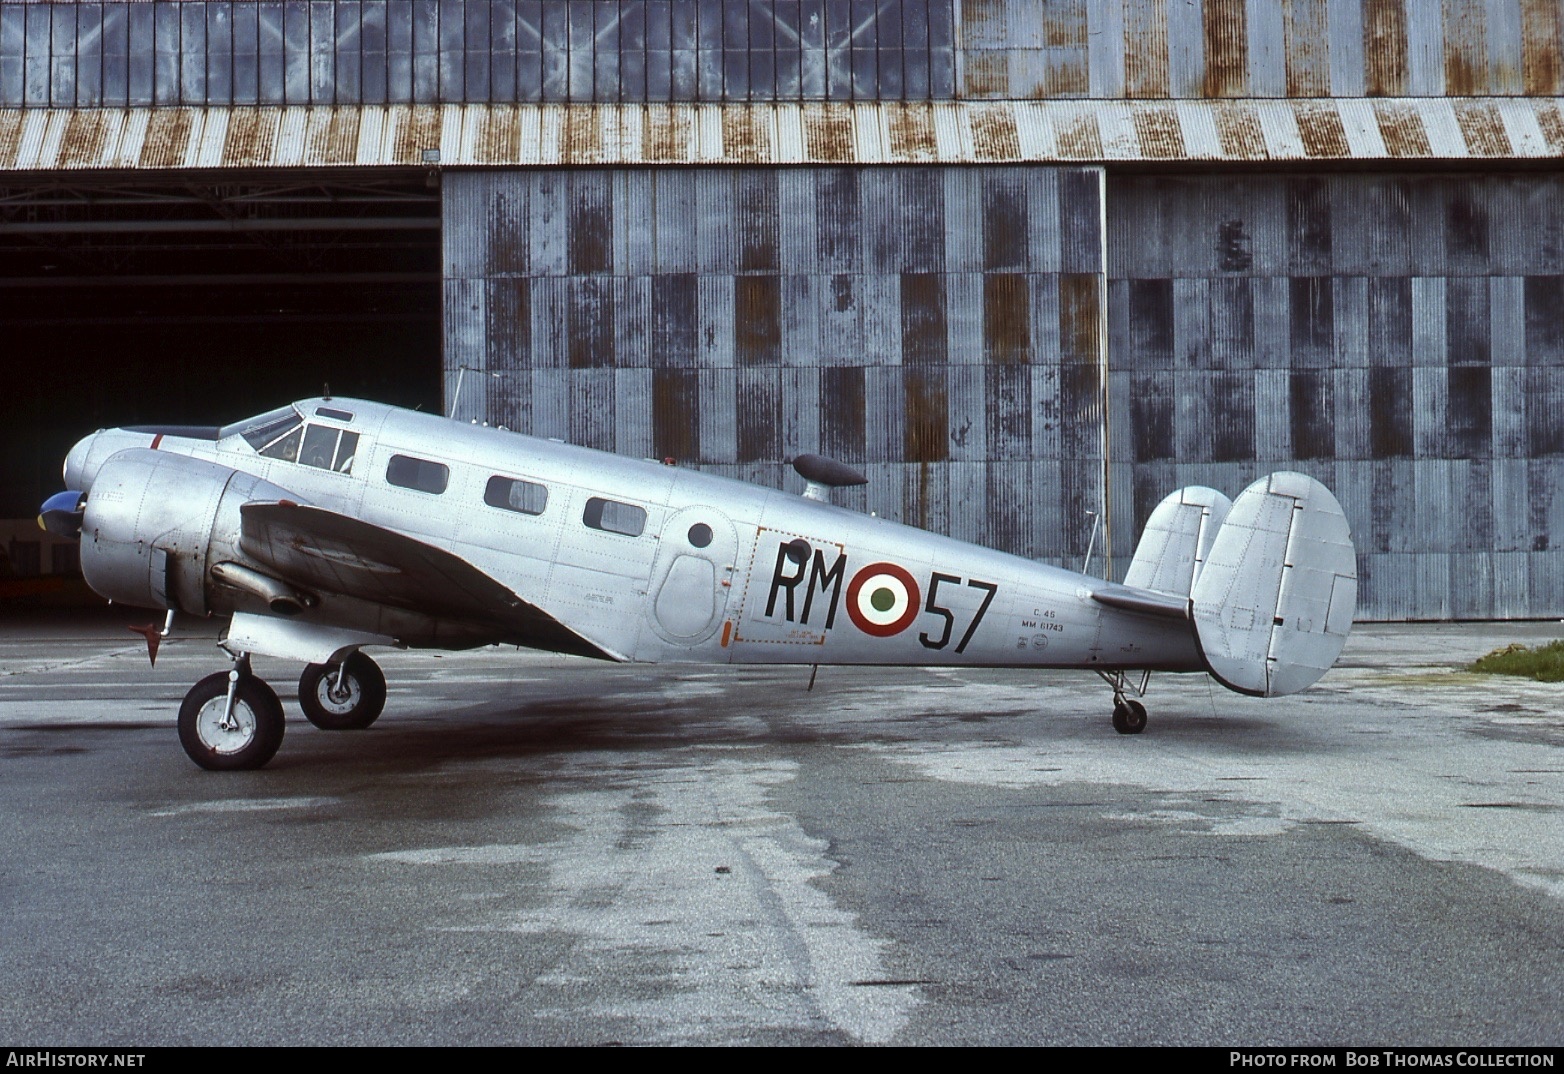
point(329, 449)
point(420, 474)
point(334, 415)
point(614, 517)
point(514, 494)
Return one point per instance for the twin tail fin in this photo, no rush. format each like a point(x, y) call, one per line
point(1270, 579)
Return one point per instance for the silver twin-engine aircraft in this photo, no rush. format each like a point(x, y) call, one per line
point(332, 525)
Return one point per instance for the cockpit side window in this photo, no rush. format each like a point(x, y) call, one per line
point(285, 447)
point(320, 446)
point(347, 447)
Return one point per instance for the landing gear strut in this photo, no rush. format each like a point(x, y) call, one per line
point(1129, 715)
point(346, 696)
point(231, 721)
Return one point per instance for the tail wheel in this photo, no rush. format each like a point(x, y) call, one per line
point(1129, 717)
point(244, 739)
point(349, 701)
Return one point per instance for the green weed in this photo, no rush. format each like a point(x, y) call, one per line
point(1544, 663)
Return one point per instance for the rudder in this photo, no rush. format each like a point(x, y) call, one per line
point(1177, 540)
point(1273, 605)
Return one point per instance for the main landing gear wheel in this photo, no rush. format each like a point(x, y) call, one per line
point(343, 697)
point(1129, 717)
point(234, 741)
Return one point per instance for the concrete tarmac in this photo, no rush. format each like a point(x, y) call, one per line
point(529, 849)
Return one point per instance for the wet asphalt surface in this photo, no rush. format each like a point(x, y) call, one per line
point(529, 849)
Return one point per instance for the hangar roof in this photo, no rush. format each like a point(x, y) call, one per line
point(885, 132)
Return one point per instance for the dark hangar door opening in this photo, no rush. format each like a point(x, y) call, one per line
point(198, 300)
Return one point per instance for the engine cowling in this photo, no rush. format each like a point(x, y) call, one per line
point(157, 521)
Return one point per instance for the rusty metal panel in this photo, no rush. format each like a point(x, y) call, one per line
point(1238, 131)
point(1308, 48)
point(1401, 130)
point(1159, 134)
point(1385, 47)
point(507, 313)
point(1145, 48)
point(1542, 44)
point(1225, 48)
point(1483, 129)
point(1414, 302)
point(1465, 47)
point(1007, 426)
point(500, 134)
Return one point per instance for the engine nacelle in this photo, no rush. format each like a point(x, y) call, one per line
point(157, 521)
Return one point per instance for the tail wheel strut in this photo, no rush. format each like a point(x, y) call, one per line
point(1129, 715)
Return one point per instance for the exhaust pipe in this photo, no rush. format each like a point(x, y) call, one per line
point(279, 596)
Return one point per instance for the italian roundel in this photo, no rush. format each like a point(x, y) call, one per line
point(882, 600)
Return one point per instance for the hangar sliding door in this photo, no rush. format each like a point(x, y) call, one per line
point(1400, 337)
point(941, 328)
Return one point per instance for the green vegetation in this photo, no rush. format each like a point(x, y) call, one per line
point(1544, 663)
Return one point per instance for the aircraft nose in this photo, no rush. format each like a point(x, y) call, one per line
point(76, 476)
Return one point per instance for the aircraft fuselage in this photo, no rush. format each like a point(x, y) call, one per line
point(658, 563)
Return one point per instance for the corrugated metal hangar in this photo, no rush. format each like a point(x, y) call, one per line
point(1028, 263)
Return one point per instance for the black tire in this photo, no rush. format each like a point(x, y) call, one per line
point(1129, 718)
point(249, 745)
point(364, 687)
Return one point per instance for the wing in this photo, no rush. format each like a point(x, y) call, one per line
point(323, 550)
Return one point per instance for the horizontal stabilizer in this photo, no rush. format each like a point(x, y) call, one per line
point(1177, 540)
point(1273, 604)
point(1144, 601)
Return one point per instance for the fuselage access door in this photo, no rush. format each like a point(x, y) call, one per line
point(694, 573)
